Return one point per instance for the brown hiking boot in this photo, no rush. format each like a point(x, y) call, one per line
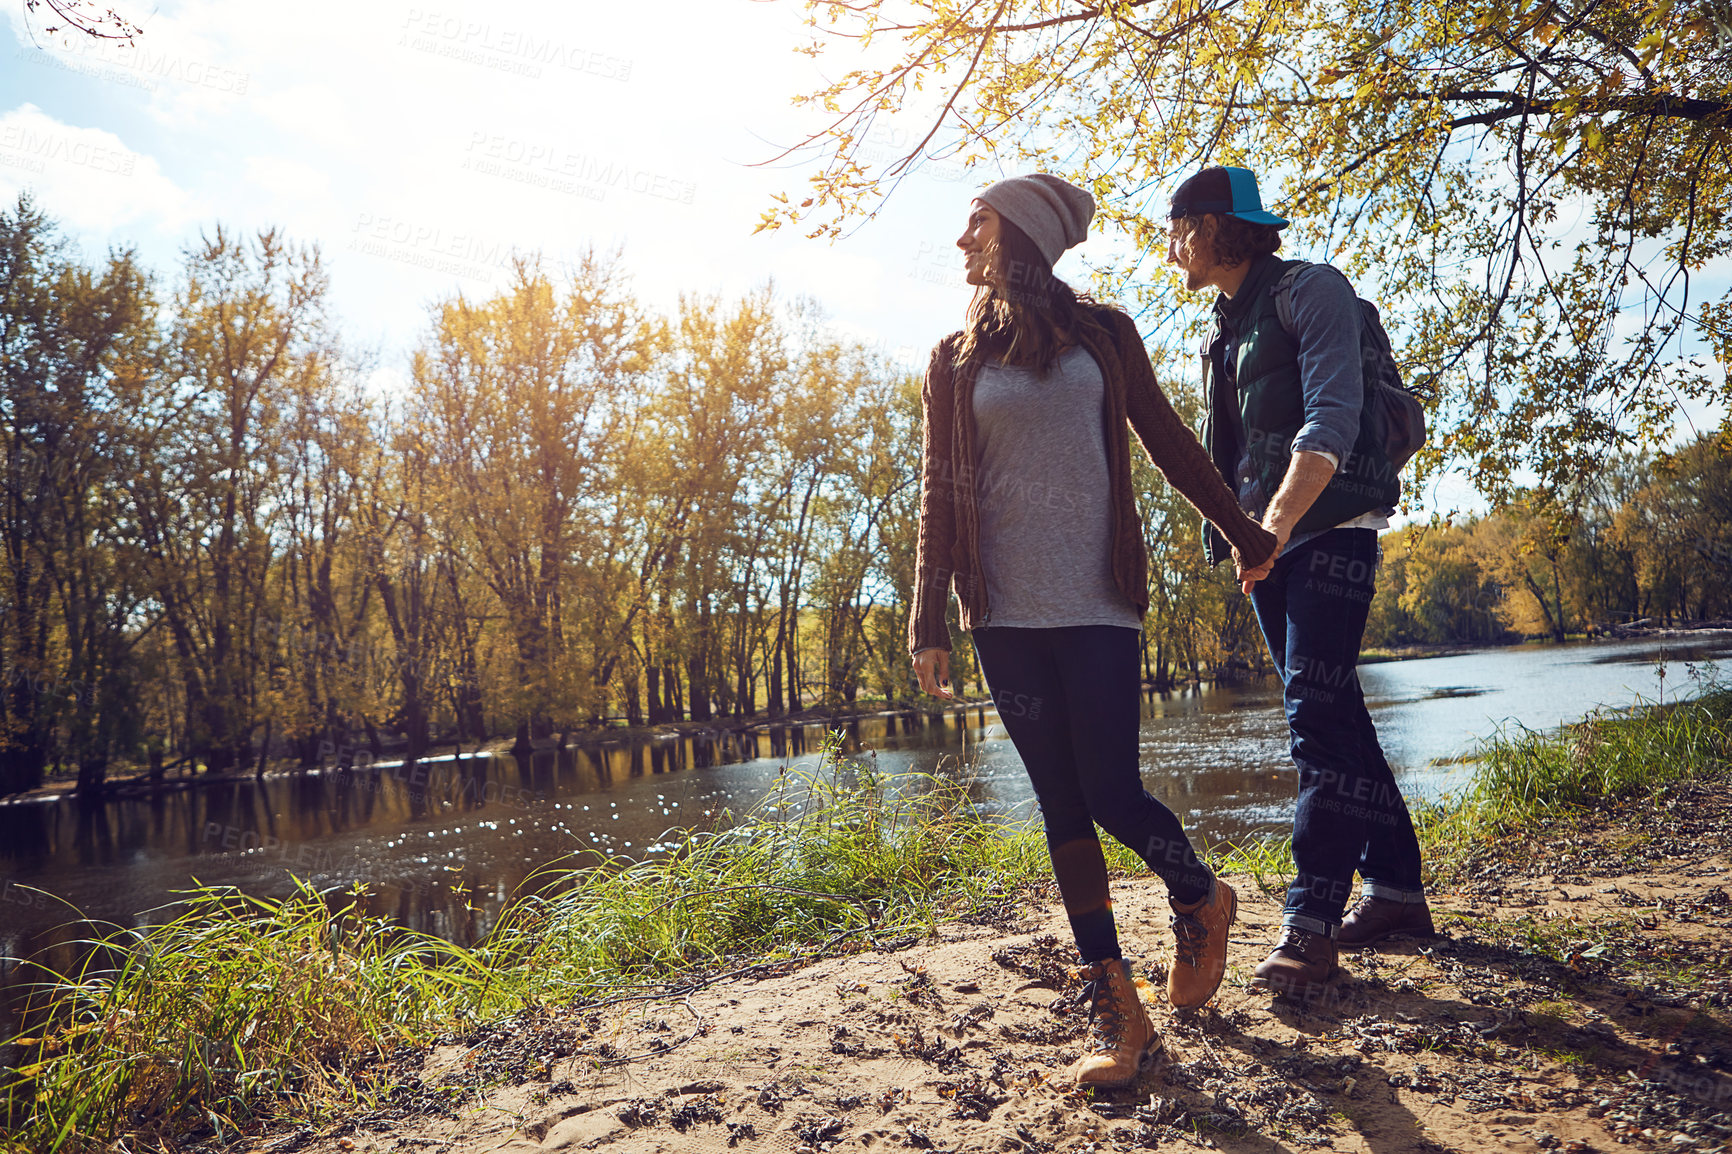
point(1122, 1040)
point(1200, 949)
point(1300, 964)
point(1374, 919)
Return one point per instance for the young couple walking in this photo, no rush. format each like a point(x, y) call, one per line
point(1027, 515)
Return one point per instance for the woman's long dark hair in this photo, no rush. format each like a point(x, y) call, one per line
point(1023, 313)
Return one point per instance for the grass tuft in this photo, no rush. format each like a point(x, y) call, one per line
point(1528, 780)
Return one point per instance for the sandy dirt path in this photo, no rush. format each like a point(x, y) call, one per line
point(1576, 999)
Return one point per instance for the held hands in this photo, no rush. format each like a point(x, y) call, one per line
point(1308, 474)
point(1249, 575)
point(932, 671)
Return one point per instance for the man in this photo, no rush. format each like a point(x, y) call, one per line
point(1285, 429)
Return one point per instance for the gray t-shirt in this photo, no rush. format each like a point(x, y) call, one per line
point(1041, 484)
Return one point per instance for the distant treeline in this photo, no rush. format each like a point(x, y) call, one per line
point(223, 533)
point(1642, 540)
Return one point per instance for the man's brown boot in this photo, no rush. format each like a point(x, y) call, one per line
point(1200, 949)
point(1300, 964)
point(1374, 919)
point(1121, 1038)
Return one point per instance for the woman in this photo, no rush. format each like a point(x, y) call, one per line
point(1028, 516)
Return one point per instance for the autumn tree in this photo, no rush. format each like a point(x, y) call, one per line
point(1199, 624)
point(519, 398)
point(896, 426)
point(810, 461)
point(1676, 527)
point(326, 484)
point(248, 335)
point(873, 489)
point(1432, 588)
point(1532, 188)
point(77, 346)
point(710, 444)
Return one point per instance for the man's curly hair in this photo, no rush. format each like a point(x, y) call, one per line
point(1233, 241)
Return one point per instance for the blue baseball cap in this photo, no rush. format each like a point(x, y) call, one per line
point(1226, 190)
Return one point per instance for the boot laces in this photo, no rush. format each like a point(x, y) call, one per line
point(1191, 936)
point(1297, 940)
point(1106, 1015)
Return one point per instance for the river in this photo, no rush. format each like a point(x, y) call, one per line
point(417, 835)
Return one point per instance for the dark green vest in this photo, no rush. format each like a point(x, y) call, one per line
point(1256, 408)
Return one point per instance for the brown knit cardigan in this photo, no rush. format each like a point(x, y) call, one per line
point(948, 553)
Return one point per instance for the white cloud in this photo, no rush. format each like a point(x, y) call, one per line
point(87, 177)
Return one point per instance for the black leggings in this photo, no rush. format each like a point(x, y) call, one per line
point(1069, 698)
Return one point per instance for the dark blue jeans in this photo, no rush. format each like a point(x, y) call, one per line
point(1350, 815)
point(1069, 698)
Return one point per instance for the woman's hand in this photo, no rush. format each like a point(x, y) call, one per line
point(932, 671)
point(1249, 575)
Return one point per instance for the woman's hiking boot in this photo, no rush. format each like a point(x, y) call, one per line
point(1372, 919)
point(1200, 946)
point(1121, 1040)
point(1301, 963)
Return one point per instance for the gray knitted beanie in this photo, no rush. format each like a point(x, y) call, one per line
point(1054, 213)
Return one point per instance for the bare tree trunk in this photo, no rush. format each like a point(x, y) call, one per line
point(264, 751)
point(653, 681)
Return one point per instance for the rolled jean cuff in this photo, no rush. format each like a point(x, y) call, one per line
point(1391, 893)
point(1310, 924)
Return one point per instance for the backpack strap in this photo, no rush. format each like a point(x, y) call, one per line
point(1283, 292)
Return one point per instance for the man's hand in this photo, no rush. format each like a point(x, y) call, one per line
point(1307, 475)
point(932, 671)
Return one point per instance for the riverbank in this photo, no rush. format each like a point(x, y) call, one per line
point(1639, 630)
point(1574, 1002)
point(852, 968)
point(726, 736)
point(136, 782)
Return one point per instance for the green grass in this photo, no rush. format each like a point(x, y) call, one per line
point(1267, 861)
point(1529, 780)
point(240, 1009)
point(235, 1004)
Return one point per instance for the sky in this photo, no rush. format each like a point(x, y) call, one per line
point(420, 146)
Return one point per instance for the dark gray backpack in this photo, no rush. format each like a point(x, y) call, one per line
point(1397, 416)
